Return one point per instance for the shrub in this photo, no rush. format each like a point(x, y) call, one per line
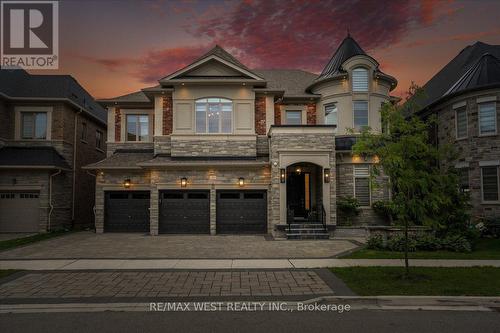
point(491, 227)
point(427, 242)
point(384, 209)
point(375, 242)
point(349, 206)
point(397, 243)
point(456, 243)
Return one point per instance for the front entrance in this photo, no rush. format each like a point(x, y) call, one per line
point(303, 189)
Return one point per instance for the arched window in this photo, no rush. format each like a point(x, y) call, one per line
point(214, 115)
point(360, 79)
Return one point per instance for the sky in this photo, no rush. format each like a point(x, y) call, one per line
point(114, 47)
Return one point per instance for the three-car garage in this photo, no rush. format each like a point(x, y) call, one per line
point(187, 211)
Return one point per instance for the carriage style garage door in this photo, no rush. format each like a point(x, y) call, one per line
point(240, 212)
point(127, 211)
point(184, 212)
point(19, 212)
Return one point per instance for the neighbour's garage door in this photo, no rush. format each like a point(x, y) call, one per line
point(19, 212)
point(241, 212)
point(127, 211)
point(185, 212)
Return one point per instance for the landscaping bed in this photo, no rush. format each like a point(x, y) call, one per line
point(12, 243)
point(430, 281)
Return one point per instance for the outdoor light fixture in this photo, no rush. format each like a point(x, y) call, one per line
point(127, 183)
point(326, 175)
point(298, 171)
point(184, 181)
point(282, 175)
point(241, 181)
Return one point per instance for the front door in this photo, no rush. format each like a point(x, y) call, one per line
point(298, 193)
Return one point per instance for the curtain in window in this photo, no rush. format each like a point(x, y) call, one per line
point(487, 118)
point(461, 122)
point(490, 183)
point(362, 184)
point(360, 114)
point(360, 80)
point(331, 114)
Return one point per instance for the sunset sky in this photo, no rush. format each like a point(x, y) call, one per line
point(116, 47)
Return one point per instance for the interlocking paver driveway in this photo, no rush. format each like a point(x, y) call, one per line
point(121, 246)
point(164, 284)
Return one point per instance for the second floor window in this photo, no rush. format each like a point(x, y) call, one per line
point(84, 132)
point(214, 115)
point(137, 127)
point(359, 79)
point(34, 125)
point(360, 110)
point(98, 139)
point(461, 122)
point(293, 117)
point(487, 118)
point(331, 114)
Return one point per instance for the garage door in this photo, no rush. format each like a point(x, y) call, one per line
point(19, 212)
point(240, 212)
point(127, 211)
point(185, 212)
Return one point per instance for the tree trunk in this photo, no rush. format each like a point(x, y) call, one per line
point(407, 267)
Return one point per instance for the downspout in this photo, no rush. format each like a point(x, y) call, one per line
point(50, 197)
point(73, 190)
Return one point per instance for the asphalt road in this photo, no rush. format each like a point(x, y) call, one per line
point(354, 321)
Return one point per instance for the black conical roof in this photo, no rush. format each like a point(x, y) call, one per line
point(347, 49)
point(483, 73)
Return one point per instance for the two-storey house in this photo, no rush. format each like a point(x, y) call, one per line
point(464, 96)
point(219, 148)
point(49, 127)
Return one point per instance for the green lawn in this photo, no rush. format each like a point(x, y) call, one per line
point(7, 272)
point(11, 243)
point(484, 249)
point(438, 281)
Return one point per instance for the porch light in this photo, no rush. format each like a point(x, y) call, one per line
point(298, 171)
point(127, 183)
point(241, 181)
point(184, 181)
point(282, 175)
point(326, 175)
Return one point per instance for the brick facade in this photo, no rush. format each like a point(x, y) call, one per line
point(118, 125)
point(277, 114)
point(260, 115)
point(311, 114)
point(167, 115)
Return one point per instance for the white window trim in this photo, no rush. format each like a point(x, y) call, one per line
point(498, 187)
point(466, 123)
point(18, 119)
point(368, 113)
point(369, 183)
point(233, 117)
point(479, 120)
point(131, 112)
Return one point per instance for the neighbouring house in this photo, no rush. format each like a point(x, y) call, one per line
point(49, 127)
point(219, 148)
point(465, 95)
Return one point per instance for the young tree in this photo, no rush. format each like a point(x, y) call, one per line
point(423, 184)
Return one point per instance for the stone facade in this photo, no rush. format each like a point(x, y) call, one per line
point(181, 147)
point(474, 148)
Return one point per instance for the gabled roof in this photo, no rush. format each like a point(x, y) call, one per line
point(219, 54)
point(484, 73)
point(347, 49)
point(135, 97)
point(449, 76)
point(19, 84)
point(32, 157)
point(292, 82)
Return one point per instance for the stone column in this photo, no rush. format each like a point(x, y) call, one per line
point(99, 209)
point(154, 211)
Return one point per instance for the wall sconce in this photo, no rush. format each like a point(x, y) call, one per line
point(282, 175)
point(241, 181)
point(298, 171)
point(326, 175)
point(127, 183)
point(184, 181)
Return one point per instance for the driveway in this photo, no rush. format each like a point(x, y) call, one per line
point(121, 246)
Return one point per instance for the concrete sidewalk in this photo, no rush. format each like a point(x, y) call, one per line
point(151, 264)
